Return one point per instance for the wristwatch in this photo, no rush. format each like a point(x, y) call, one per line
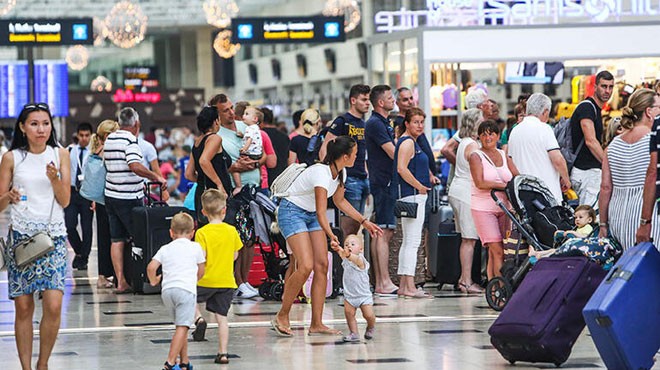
point(643, 221)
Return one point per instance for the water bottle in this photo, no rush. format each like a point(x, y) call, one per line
point(22, 204)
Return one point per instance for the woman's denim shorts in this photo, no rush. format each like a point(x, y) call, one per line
point(294, 220)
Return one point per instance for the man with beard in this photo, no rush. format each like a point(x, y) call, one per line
point(587, 129)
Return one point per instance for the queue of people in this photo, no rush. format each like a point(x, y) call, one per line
point(352, 158)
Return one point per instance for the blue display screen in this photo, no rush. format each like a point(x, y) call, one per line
point(51, 86)
point(14, 91)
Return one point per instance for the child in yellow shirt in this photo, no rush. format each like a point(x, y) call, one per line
point(220, 243)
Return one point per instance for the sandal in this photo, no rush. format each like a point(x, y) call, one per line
point(222, 358)
point(200, 330)
point(281, 330)
point(167, 366)
point(187, 366)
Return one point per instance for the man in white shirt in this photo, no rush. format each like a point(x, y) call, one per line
point(534, 148)
point(79, 206)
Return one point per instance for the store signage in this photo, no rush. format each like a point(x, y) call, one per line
point(63, 31)
point(269, 30)
point(128, 96)
point(141, 78)
point(441, 13)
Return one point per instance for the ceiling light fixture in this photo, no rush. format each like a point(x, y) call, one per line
point(223, 46)
point(220, 12)
point(350, 9)
point(6, 6)
point(77, 57)
point(126, 24)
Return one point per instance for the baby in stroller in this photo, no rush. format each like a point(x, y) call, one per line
point(585, 216)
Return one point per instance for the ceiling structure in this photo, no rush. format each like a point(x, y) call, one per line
point(163, 14)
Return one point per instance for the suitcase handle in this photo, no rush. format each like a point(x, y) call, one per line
point(618, 273)
point(147, 193)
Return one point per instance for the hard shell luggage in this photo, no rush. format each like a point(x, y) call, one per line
point(543, 318)
point(151, 230)
point(443, 215)
point(623, 315)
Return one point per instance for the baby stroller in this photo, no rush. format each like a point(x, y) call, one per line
point(536, 216)
point(271, 244)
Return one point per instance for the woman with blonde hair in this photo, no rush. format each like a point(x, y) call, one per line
point(624, 172)
point(106, 271)
point(304, 148)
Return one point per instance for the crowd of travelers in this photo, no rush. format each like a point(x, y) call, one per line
point(386, 158)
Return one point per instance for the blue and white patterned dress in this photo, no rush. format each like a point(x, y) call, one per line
point(31, 216)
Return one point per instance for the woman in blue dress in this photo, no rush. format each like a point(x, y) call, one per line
point(35, 182)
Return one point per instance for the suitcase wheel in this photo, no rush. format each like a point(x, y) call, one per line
point(498, 292)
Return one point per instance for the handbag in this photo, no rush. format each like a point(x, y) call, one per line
point(403, 209)
point(93, 185)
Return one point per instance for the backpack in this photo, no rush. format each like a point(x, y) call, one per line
point(563, 133)
point(282, 183)
point(238, 214)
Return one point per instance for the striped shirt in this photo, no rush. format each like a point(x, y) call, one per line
point(120, 150)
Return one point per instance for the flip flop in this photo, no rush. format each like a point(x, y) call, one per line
point(125, 291)
point(328, 331)
point(420, 294)
point(388, 295)
point(279, 329)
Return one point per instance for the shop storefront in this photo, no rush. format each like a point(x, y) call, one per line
point(438, 62)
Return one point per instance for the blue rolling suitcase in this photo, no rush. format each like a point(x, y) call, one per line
point(623, 315)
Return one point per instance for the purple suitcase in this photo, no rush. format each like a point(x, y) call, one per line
point(544, 316)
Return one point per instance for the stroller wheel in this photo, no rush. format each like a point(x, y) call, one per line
point(277, 290)
point(498, 292)
point(264, 290)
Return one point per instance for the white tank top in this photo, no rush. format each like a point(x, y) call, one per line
point(462, 182)
point(30, 174)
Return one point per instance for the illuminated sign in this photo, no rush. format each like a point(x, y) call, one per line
point(442, 13)
point(65, 31)
point(128, 96)
point(13, 88)
point(141, 78)
point(287, 30)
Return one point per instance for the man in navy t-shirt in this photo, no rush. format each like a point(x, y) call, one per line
point(379, 136)
point(352, 124)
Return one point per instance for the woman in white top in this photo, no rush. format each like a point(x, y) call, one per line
point(460, 194)
point(35, 179)
point(303, 222)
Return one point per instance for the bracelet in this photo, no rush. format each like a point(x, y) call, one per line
point(644, 221)
point(364, 219)
point(603, 224)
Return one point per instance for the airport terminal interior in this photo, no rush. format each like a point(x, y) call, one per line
point(167, 58)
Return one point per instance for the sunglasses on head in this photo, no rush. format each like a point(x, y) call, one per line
point(34, 106)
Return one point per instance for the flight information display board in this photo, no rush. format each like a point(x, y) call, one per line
point(271, 30)
point(51, 86)
point(14, 92)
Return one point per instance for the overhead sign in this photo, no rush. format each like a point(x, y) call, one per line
point(13, 88)
point(63, 31)
point(51, 86)
point(441, 13)
point(268, 30)
point(141, 78)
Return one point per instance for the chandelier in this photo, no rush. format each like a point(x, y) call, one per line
point(101, 84)
point(100, 31)
point(220, 12)
point(348, 8)
point(223, 46)
point(77, 57)
point(6, 6)
point(126, 24)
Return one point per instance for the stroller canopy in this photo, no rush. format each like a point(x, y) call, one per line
point(525, 192)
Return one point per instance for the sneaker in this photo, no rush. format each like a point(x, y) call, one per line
point(249, 286)
point(245, 292)
point(369, 334)
point(353, 337)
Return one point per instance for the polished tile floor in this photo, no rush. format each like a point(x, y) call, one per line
point(101, 330)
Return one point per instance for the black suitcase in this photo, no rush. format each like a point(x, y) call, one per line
point(151, 230)
point(448, 256)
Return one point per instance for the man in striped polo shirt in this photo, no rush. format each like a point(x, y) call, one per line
point(124, 186)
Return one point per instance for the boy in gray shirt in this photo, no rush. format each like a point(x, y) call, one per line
point(357, 291)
